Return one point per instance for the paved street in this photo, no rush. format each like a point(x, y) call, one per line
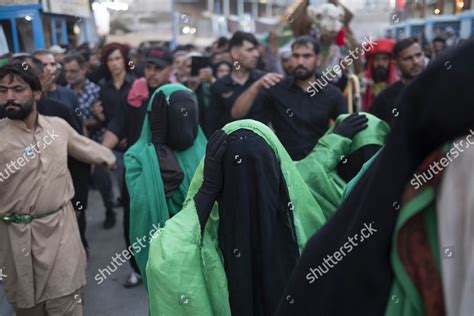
point(109, 298)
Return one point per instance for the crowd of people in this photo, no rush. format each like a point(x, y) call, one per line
point(253, 181)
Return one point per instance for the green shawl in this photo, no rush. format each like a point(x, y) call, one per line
point(149, 207)
point(319, 168)
point(185, 272)
point(404, 298)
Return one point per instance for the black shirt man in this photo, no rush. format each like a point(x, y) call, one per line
point(298, 117)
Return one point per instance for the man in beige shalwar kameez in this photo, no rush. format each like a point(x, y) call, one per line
point(40, 247)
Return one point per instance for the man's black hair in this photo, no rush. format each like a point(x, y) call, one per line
point(305, 41)
point(222, 42)
point(25, 73)
point(75, 57)
point(402, 44)
point(239, 37)
point(32, 62)
point(439, 38)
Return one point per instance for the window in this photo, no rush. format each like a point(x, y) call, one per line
point(25, 33)
point(6, 38)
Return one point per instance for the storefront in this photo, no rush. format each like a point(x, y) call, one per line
point(27, 25)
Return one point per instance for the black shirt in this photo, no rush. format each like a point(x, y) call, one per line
point(298, 118)
point(64, 95)
point(128, 120)
point(111, 97)
point(384, 104)
point(224, 93)
point(79, 171)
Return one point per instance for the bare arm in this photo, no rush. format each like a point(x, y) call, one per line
point(244, 102)
point(110, 140)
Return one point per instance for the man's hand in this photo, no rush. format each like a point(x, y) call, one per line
point(110, 166)
point(122, 144)
point(98, 111)
point(205, 75)
point(269, 80)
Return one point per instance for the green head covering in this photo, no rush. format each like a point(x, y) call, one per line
point(149, 208)
point(374, 134)
point(185, 271)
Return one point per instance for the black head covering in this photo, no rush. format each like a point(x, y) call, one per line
point(173, 127)
point(183, 120)
point(349, 167)
point(256, 230)
point(435, 108)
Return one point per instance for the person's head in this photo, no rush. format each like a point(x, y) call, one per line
point(222, 44)
point(75, 69)
point(114, 57)
point(222, 69)
point(20, 88)
point(286, 62)
point(243, 48)
point(439, 43)
point(305, 56)
point(381, 66)
point(158, 66)
point(409, 57)
point(58, 53)
point(38, 68)
point(217, 58)
point(49, 62)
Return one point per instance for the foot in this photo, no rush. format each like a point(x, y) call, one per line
point(134, 279)
point(109, 219)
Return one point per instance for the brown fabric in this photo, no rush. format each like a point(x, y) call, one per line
point(69, 305)
point(415, 255)
point(410, 192)
point(43, 260)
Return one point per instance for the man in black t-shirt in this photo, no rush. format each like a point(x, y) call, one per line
point(410, 60)
point(298, 117)
point(243, 48)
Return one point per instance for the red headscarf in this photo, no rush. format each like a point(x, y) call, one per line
point(384, 46)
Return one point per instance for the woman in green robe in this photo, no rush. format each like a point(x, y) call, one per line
point(160, 165)
point(339, 156)
point(194, 260)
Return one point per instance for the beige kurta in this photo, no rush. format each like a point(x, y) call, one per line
point(45, 259)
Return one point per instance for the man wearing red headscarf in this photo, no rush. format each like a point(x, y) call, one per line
point(381, 71)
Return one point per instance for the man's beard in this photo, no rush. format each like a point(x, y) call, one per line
point(380, 74)
point(21, 114)
point(302, 75)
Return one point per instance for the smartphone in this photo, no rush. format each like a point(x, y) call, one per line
point(197, 63)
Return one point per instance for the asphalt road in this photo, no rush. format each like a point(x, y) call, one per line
point(110, 297)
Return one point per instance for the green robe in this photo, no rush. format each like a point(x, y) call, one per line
point(185, 272)
point(319, 168)
point(149, 208)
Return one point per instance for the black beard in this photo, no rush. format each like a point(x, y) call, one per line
point(306, 75)
point(21, 114)
point(380, 74)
